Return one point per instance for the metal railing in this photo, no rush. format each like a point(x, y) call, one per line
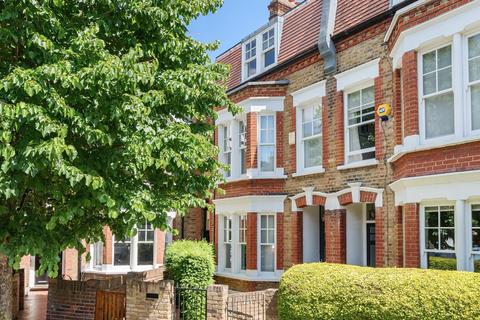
point(191, 303)
point(246, 306)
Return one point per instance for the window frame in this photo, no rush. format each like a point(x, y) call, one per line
point(302, 140)
point(260, 243)
point(260, 53)
point(145, 241)
point(251, 58)
point(260, 144)
point(242, 146)
point(226, 140)
point(468, 84)
point(269, 48)
point(228, 230)
point(422, 97)
point(360, 87)
point(438, 228)
point(242, 230)
point(123, 266)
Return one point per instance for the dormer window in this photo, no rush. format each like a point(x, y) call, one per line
point(269, 48)
point(251, 58)
point(260, 52)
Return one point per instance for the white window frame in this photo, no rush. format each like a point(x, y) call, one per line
point(226, 147)
point(242, 144)
point(468, 85)
point(264, 51)
point(260, 144)
point(228, 231)
point(348, 153)
point(243, 231)
point(145, 240)
point(423, 97)
point(251, 57)
point(260, 53)
point(301, 140)
point(260, 244)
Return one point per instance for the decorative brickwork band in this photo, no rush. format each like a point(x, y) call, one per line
point(410, 93)
point(251, 140)
point(280, 241)
point(319, 200)
point(345, 199)
point(379, 237)
point(335, 236)
point(297, 237)
point(301, 202)
point(251, 241)
point(368, 197)
point(412, 235)
point(339, 127)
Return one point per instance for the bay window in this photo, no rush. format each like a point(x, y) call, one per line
point(312, 136)
point(227, 241)
point(121, 253)
point(145, 244)
point(474, 80)
point(267, 243)
point(438, 97)
point(476, 237)
point(242, 132)
point(242, 241)
point(267, 143)
point(439, 231)
point(360, 125)
point(227, 149)
point(251, 58)
point(268, 39)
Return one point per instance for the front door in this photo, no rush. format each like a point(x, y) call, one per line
point(322, 234)
point(371, 244)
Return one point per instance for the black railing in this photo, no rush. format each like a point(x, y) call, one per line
point(191, 303)
point(246, 306)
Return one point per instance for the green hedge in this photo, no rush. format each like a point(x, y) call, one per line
point(190, 263)
point(328, 291)
point(440, 263)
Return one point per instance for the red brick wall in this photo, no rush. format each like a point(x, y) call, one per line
point(325, 133)
point(107, 246)
point(335, 236)
point(251, 187)
point(301, 202)
point(319, 201)
point(461, 157)
point(410, 93)
point(412, 235)
point(399, 236)
point(292, 149)
point(279, 138)
point(363, 36)
point(397, 107)
point(251, 155)
point(245, 286)
point(339, 129)
point(160, 245)
point(296, 228)
point(345, 199)
point(251, 241)
point(367, 197)
point(70, 264)
point(258, 91)
point(280, 246)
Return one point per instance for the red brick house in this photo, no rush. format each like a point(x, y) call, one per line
point(315, 175)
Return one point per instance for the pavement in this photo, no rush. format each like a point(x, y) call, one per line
point(35, 306)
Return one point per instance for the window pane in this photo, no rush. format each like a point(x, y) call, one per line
point(475, 100)
point(228, 256)
point(150, 235)
point(430, 83)
point(431, 218)
point(271, 221)
point(431, 239)
point(243, 161)
point(267, 258)
point(313, 152)
point(370, 211)
point(447, 219)
point(263, 236)
point(476, 239)
point(354, 99)
point(474, 69)
point(267, 158)
point(263, 222)
point(368, 95)
point(444, 57)
point(243, 257)
point(362, 137)
point(145, 254)
point(122, 254)
point(474, 46)
point(439, 115)
point(271, 236)
point(307, 130)
point(475, 217)
point(429, 62)
point(445, 79)
point(269, 57)
point(317, 126)
point(442, 261)
point(251, 67)
point(447, 239)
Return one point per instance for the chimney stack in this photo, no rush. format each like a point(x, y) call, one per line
point(280, 7)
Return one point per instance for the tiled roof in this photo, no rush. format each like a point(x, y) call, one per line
point(233, 57)
point(353, 12)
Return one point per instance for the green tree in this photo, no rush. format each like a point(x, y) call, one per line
point(104, 120)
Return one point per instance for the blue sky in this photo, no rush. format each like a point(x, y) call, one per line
point(235, 20)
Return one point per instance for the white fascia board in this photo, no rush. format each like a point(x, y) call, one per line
point(448, 186)
point(399, 13)
point(259, 204)
point(355, 76)
point(310, 93)
point(436, 30)
point(254, 104)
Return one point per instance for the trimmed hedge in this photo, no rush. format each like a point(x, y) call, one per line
point(190, 263)
point(440, 263)
point(329, 291)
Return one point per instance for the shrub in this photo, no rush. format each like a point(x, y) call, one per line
point(328, 291)
point(190, 263)
point(440, 263)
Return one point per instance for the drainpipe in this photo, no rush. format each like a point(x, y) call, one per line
point(326, 46)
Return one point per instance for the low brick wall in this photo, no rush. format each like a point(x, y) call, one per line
point(152, 300)
point(76, 299)
point(245, 285)
point(217, 302)
point(257, 305)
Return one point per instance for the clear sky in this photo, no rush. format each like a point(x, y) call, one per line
point(235, 20)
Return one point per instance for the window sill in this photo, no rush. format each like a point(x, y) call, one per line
point(111, 269)
point(308, 172)
point(359, 164)
point(255, 174)
point(412, 144)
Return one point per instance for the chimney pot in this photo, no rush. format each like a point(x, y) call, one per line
point(280, 7)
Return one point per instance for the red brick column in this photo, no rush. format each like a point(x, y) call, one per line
point(379, 237)
point(410, 93)
point(399, 236)
point(160, 245)
point(297, 237)
point(378, 122)
point(212, 227)
point(107, 246)
point(280, 241)
point(412, 235)
point(279, 139)
point(325, 134)
point(335, 236)
point(292, 127)
point(251, 241)
point(215, 239)
point(397, 106)
point(251, 140)
point(339, 129)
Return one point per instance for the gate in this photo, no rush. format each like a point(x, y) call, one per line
point(191, 303)
point(246, 306)
point(110, 305)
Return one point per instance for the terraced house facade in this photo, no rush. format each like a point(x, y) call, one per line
point(316, 175)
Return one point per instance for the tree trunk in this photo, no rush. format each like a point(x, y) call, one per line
point(5, 289)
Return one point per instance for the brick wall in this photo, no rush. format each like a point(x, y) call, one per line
point(5, 286)
point(216, 302)
point(245, 285)
point(411, 214)
point(159, 305)
point(251, 241)
point(15, 295)
point(410, 93)
point(251, 187)
point(335, 236)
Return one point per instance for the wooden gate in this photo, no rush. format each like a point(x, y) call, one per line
point(111, 305)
